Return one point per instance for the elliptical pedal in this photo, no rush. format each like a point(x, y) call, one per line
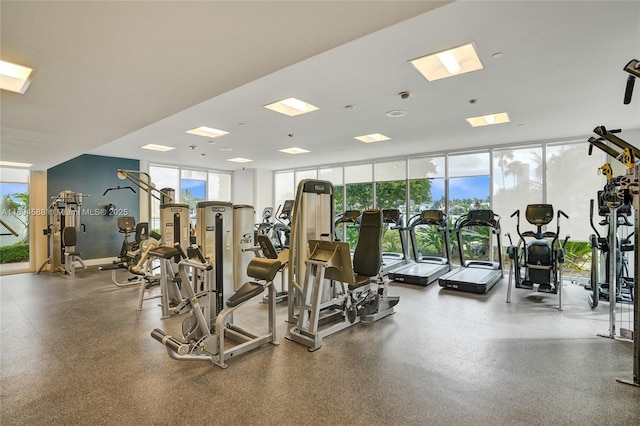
point(525, 284)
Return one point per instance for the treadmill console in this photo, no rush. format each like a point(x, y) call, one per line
point(431, 216)
point(481, 216)
point(391, 216)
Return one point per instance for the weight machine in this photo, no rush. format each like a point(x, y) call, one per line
point(64, 225)
point(618, 191)
point(208, 282)
point(336, 293)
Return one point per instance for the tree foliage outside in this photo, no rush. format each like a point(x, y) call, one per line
point(18, 252)
point(186, 197)
point(18, 205)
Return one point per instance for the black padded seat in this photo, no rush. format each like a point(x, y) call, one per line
point(359, 281)
point(367, 257)
point(247, 291)
point(164, 252)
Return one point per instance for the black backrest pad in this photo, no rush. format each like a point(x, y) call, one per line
point(142, 232)
point(367, 257)
point(539, 214)
point(266, 246)
point(69, 236)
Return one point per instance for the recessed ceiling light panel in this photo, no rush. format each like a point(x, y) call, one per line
point(374, 137)
point(448, 63)
point(155, 147)
point(396, 113)
point(14, 78)
point(240, 160)
point(14, 164)
point(294, 150)
point(208, 132)
point(291, 107)
point(488, 120)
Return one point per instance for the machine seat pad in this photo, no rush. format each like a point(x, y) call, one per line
point(247, 291)
point(359, 281)
point(262, 268)
point(283, 257)
point(165, 252)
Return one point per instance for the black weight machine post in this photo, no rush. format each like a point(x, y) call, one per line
point(628, 186)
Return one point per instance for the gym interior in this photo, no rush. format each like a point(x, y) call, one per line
point(371, 212)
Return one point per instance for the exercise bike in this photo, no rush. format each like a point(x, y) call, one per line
point(539, 257)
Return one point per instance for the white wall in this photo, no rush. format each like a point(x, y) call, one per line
point(253, 187)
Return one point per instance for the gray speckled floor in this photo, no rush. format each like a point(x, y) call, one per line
point(75, 351)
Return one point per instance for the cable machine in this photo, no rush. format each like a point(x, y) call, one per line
point(617, 190)
point(64, 224)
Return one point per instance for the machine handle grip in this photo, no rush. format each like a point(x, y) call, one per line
point(180, 250)
point(560, 212)
point(517, 212)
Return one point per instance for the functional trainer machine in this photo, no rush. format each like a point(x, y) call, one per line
point(475, 276)
point(539, 253)
point(425, 269)
point(625, 187)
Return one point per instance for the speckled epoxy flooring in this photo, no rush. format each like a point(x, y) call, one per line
point(74, 351)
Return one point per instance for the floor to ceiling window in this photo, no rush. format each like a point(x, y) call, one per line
point(15, 215)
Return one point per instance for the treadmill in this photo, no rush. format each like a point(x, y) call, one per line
point(475, 276)
point(392, 219)
point(424, 270)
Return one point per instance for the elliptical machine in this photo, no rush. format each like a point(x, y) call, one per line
point(601, 253)
point(539, 253)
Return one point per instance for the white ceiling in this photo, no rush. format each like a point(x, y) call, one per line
point(144, 72)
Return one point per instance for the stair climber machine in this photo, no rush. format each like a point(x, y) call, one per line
point(336, 293)
point(539, 257)
point(601, 251)
point(208, 274)
point(424, 270)
point(475, 276)
point(393, 220)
